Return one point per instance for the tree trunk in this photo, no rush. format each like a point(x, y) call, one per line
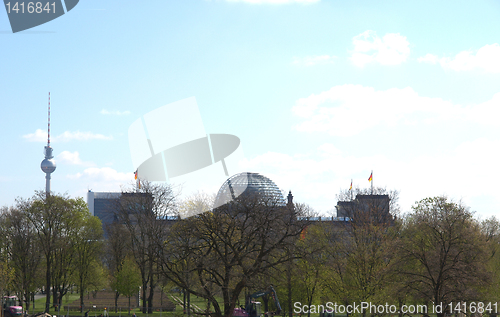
point(189, 304)
point(144, 299)
point(27, 301)
point(47, 285)
point(129, 305)
point(289, 289)
point(218, 312)
point(208, 308)
point(225, 296)
point(54, 296)
point(60, 299)
point(150, 297)
point(81, 295)
point(116, 301)
point(184, 300)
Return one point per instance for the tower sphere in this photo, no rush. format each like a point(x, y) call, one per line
point(48, 165)
point(249, 184)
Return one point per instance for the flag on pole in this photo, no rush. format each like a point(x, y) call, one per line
point(350, 190)
point(303, 233)
point(371, 177)
point(138, 180)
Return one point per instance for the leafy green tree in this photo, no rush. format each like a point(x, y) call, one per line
point(128, 279)
point(88, 247)
point(312, 265)
point(6, 277)
point(58, 222)
point(309, 263)
point(97, 277)
point(117, 247)
point(446, 250)
point(363, 246)
point(491, 230)
point(22, 248)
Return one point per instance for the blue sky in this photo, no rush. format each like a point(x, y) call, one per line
point(319, 93)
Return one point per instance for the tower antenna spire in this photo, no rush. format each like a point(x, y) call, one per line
point(48, 165)
point(48, 128)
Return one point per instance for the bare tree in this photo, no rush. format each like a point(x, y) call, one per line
point(221, 251)
point(144, 210)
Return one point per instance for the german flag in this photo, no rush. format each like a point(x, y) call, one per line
point(371, 177)
point(138, 180)
point(303, 233)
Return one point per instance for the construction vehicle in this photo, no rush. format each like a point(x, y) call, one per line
point(253, 308)
point(11, 307)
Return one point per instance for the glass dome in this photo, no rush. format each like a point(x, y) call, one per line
point(248, 184)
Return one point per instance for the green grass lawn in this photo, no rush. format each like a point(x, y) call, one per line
point(40, 303)
point(196, 302)
point(39, 306)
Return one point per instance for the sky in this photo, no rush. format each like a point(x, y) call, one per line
point(318, 92)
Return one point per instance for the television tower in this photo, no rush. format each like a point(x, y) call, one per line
point(48, 164)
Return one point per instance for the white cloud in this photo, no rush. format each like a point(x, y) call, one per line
point(103, 174)
point(485, 113)
point(81, 136)
point(350, 109)
point(38, 136)
point(328, 149)
point(487, 58)
point(102, 179)
point(115, 113)
point(314, 60)
point(41, 136)
point(392, 49)
point(468, 172)
point(275, 1)
point(71, 158)
point(97, 179)
point(428, 58)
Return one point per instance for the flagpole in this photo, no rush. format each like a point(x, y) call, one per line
point(137, 180)
point(350, 189)
point(372, 182)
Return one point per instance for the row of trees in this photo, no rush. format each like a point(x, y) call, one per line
point(52, 234)
point(436, 253)
point(212, 255)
